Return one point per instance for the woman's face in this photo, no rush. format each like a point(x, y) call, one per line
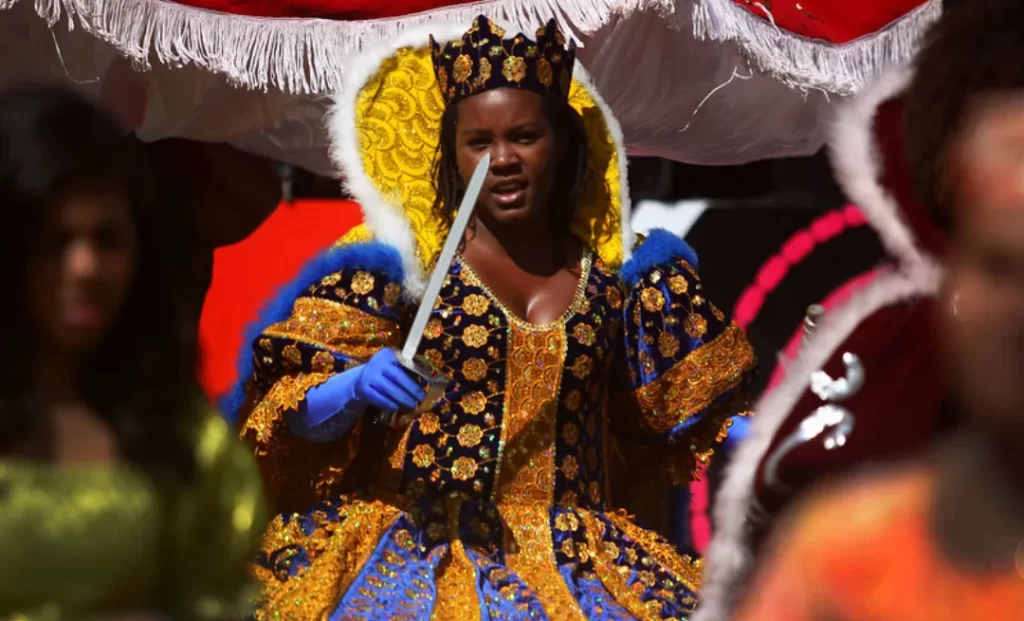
point(510, 125)
point(81, 266)
point(985, 287)
point(985, 328)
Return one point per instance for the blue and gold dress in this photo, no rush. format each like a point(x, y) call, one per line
point(504, 499)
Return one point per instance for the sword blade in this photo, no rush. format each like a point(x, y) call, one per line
point(444, 260)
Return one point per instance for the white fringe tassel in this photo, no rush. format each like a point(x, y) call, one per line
point(301, 56)
point(805, 63)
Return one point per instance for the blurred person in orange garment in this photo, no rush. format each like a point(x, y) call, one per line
point(943, 537)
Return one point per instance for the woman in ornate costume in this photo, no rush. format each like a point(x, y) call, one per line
point(561, 354)
point(122, 494)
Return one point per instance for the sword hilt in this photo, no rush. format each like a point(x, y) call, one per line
point(434, 385)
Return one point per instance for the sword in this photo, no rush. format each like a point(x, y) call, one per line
point(444, 261)
point(407, 357)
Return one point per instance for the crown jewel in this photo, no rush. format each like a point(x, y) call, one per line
point(483, 60)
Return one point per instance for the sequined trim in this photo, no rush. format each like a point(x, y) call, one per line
point(615, 573)
point(456, 576)
point(337, 327)
point(286, 395)
point(608, 571)
point(337, 550)
point(686, 570)
point(296, 473)
point(579, 300)
point(526, 471)
point(695, 382)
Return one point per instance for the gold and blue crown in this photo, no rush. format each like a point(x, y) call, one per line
point(483, 60)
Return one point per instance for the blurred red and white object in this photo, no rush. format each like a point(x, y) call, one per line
point(246, 276)
point(878, 340)
point(700, 81)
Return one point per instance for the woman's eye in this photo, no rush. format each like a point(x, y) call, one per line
point(527, 138)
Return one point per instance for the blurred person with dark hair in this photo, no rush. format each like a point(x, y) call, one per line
point(120, 489)
point(868, 387)
point(219, 193)
point(942, 537)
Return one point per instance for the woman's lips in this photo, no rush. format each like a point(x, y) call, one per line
point(83, 315)
point(509, 194)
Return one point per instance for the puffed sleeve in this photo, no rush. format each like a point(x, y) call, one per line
point(687, 363)
point(217, 520)
point(344, 307)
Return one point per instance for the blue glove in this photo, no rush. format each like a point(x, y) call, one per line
point(382, 383)
point(385, 384)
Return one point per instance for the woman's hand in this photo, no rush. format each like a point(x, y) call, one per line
point(385, 384)
point(382, 383)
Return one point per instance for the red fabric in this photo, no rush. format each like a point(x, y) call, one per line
point(895, 411)
point(835, 22)
point(331, 9)
point(896, 177)
point(246, 275)
point(793, 251)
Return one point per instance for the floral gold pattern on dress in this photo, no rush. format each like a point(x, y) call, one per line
point(695, 326)
point(678, 285)
point(429, 423)
point(474, 369)
point(434, 329)
point(668, 345)
point(475, 336)
point(335, 560)
point(292, 356)
point(323, 362)
point(653, 300)
point(687, 571)
point(464, 468)
point(582, 367)
point(470, 435)
point(423, 455)
point(363, 283)
point(584, 334)
point(476, 304)
point(474, 403)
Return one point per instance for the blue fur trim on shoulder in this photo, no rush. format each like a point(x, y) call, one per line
point(371, 256)
point(659, 248)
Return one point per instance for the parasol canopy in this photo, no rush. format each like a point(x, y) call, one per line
point(700, 81)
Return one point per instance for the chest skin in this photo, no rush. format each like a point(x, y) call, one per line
point(539, 298)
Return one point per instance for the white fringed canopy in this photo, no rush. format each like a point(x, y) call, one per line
point(699, 81)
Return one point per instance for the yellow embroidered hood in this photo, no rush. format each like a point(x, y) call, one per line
point(384, 131)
